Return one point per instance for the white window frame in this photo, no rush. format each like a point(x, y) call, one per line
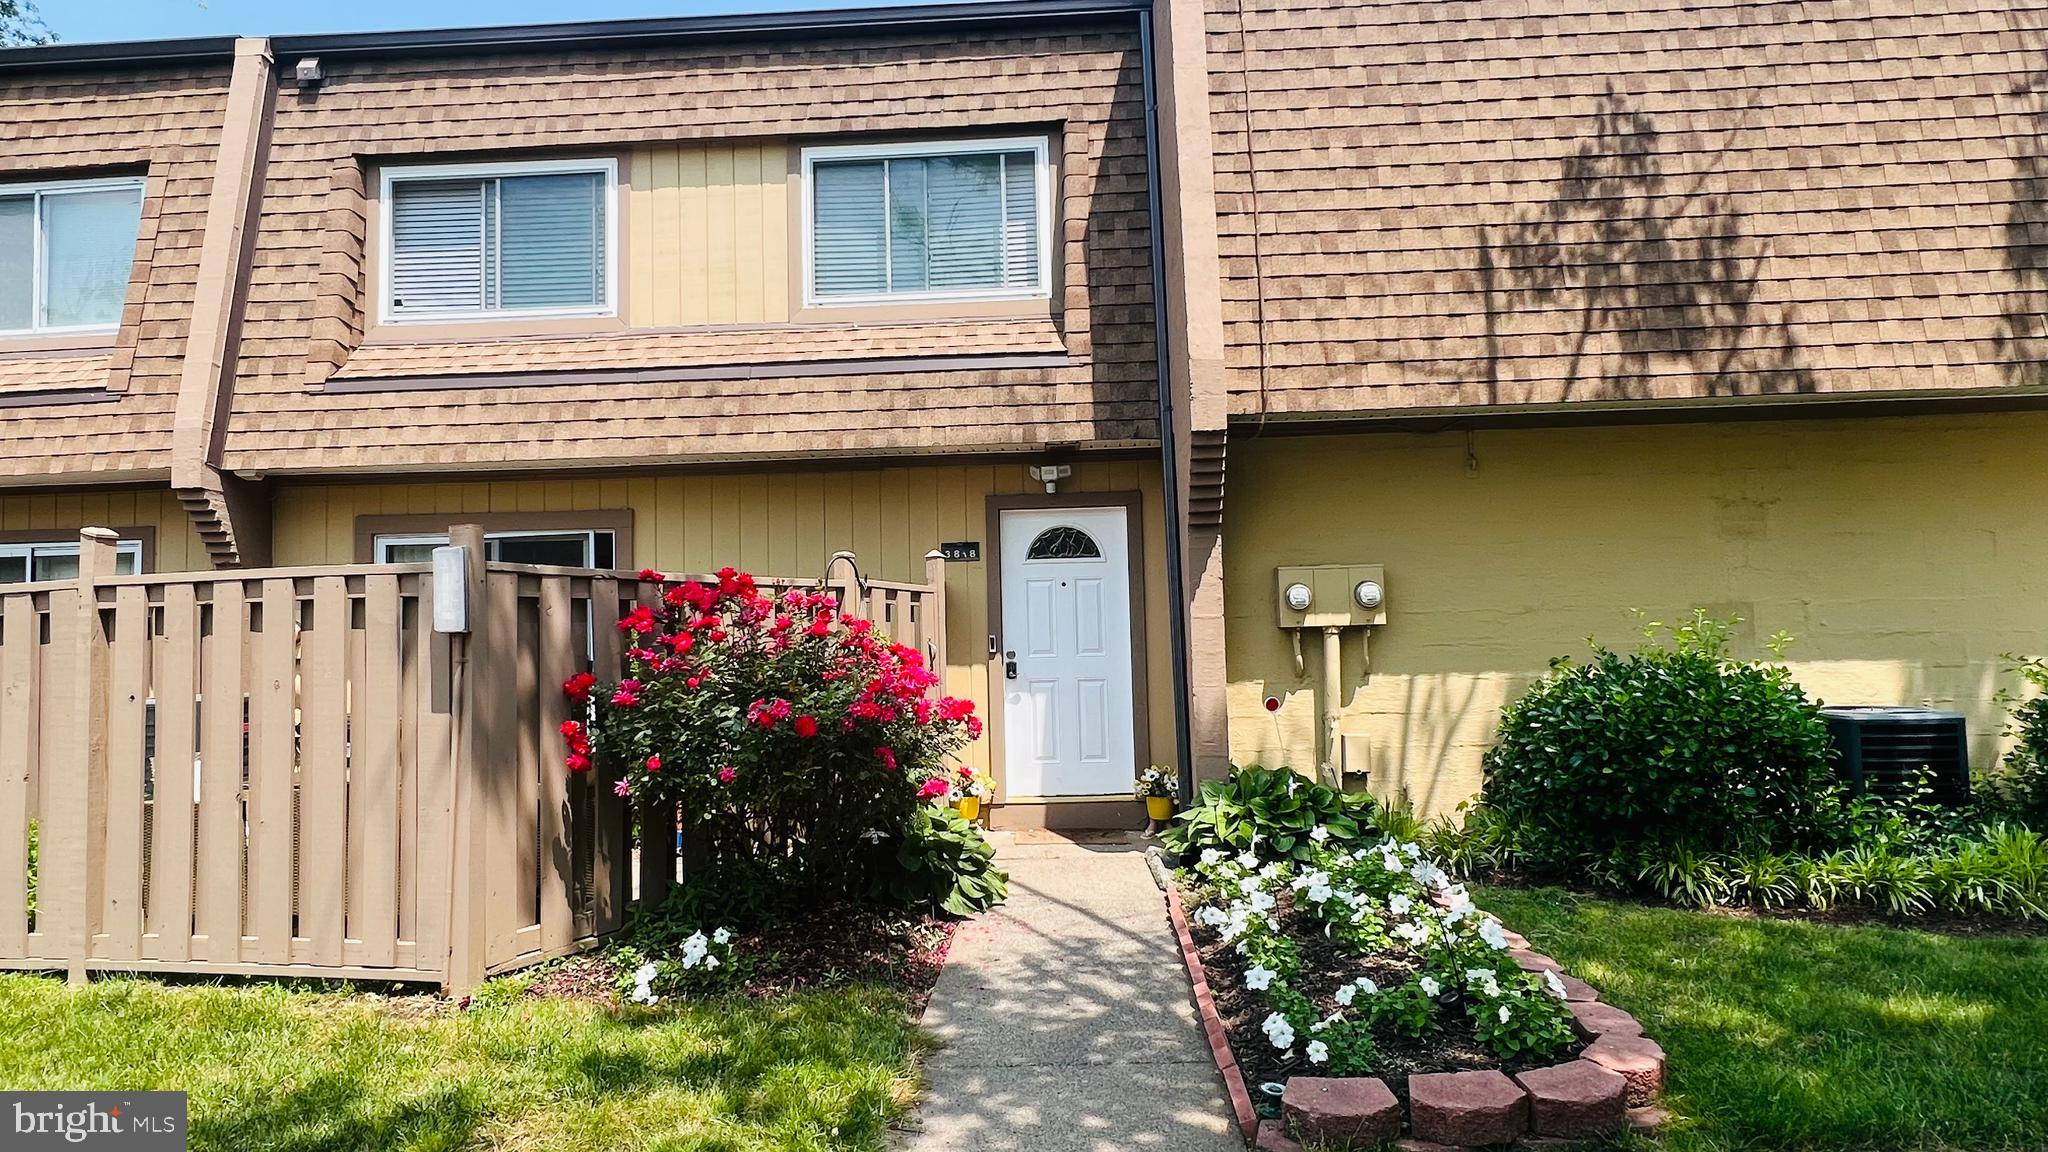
point(1038, 146)
point(393, 175)
point(382, 543)
point(31, 550)
point(36, 190)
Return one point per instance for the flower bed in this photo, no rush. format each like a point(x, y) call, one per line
point(1370, 986)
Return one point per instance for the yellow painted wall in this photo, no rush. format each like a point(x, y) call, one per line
point(781, 524)
point(708, 234)
point(178, 548)
point(1904, 554)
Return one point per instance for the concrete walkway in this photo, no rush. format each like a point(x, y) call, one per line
point(1066, 1018)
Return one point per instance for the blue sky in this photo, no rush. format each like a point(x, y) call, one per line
point(87, 20)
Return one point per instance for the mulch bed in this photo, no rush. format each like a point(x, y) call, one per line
point(1326, 964)
point(822, 947)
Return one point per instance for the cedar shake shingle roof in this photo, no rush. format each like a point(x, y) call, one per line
point(1474, 203)
point(167, 122)
point(303, 323)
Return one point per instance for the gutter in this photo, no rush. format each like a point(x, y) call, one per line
point(133, 53)
point(641, 33)
point(1169, 457)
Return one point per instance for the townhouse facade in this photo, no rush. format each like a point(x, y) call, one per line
point(1143, 314)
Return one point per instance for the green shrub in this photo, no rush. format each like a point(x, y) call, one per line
point(2017, 790)
point(1274, 810)
point(945, 864)
point(799, 740)
point(1678, 744)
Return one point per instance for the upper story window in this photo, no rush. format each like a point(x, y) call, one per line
point(894, 223)
point(485, 241)
point(67, 249)
point(59, 561)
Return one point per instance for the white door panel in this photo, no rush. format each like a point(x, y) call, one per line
point(1068, 725)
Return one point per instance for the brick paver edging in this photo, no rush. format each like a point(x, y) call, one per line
point(1614, 1083)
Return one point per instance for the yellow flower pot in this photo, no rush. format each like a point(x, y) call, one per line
point(969, 808)
point(1159, 808)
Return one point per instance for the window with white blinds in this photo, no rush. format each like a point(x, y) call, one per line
point(959, 220)
point(478, 242)
point(67, 250)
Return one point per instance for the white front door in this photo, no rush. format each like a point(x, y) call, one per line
point(1066, 653)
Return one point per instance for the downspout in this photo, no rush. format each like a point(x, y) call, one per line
point(1169, 463)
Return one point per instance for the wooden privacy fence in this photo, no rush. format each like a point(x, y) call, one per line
point(293, 772)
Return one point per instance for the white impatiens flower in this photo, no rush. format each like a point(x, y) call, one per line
point(1364, 984)
point(722, 936)
point(1413, 931)
point(1551, 982)
point(1210, 916)
point(1258, 978)
point(1261, 901)
point(1430, 987)
point(1504, 1013)
point(1392, 863)
point(1399, 903)
point(1318, 1052)
point(1429, 875)
point(1211, 855)
point(643, 984)
point(1248, 884)
point(1319, 893)
point(1346, 994)
point(1486, 978)
point(1278, 1031)
point(1248, 861)
point(695, 949)
point(1319, 833)
point(1270, 871)
point(1495, 936)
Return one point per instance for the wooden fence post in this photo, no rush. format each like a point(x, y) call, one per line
point(932, 616)
point(470, 659)
point(73, 835)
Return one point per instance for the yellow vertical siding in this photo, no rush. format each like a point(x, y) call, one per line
point(708, 234)
point(1904, 555)
point(62, 514)
point(784, 524)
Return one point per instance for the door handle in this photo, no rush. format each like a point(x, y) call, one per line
point(1009, 665)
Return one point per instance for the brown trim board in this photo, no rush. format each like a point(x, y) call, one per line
point(1133, 504)
point(793, 370)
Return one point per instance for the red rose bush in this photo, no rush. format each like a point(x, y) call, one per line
point(796, 740)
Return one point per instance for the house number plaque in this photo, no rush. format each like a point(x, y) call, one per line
point(968, 550)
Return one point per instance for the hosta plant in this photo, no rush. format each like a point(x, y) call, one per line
point(1278, 814)
point(945, 865)
point(794, 738)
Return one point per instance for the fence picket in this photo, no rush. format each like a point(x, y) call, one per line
point(323, 775)
point(20, 631)
point(273, 776)
point(374, 778)
point(430, 804)
point(557, 661)
point(219, 892)
point(172, 810)
point(127, 717)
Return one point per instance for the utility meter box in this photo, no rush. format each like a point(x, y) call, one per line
point(1337, 595)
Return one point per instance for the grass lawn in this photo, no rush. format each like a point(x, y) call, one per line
point(1794, 1035)
point(272, 1069)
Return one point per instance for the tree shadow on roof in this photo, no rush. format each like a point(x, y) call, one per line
point(2023, 335)
point(1638, 275)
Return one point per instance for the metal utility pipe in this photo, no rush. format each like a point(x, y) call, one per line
point(1333, 703)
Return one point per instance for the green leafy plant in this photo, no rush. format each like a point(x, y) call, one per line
point(2017, 790)
point(1684, 875)
point(800, 742)
point(945, 864)
point(1481, 839)
point(1275, 813)
point(1520, 1022)
point(1764, 879)
point(1407, 1009)
point(1675, 744)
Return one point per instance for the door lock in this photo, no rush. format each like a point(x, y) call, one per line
point(1009, 665)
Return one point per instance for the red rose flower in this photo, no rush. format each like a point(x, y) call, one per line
point(806, 727)
point(654, 763)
